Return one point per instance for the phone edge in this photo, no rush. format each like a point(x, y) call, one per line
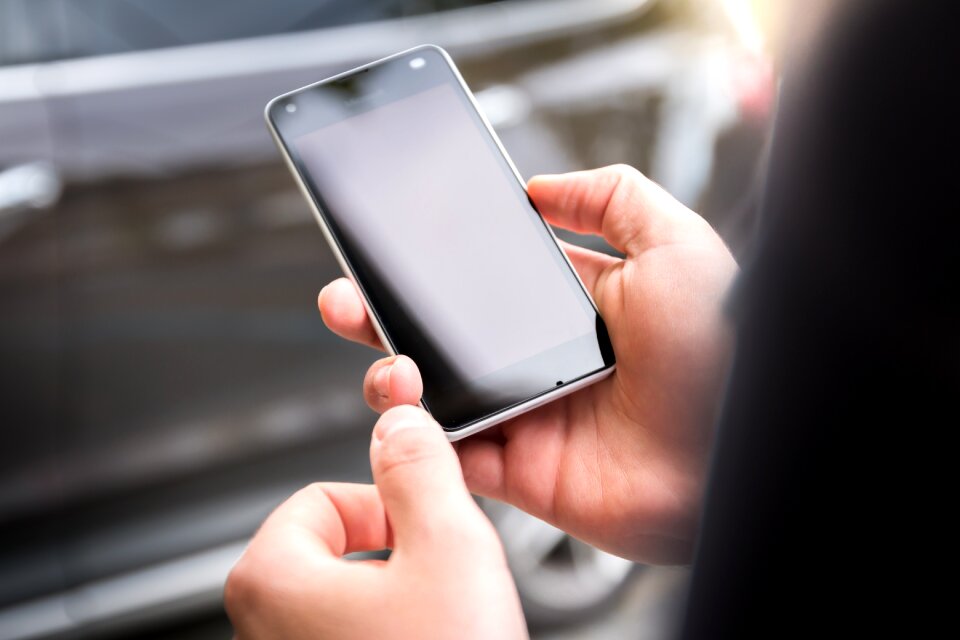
point(537, 401)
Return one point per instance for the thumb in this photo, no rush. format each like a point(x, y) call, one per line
point(618, 202)
point(420, 482)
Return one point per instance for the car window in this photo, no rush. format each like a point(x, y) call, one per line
point(47, 30)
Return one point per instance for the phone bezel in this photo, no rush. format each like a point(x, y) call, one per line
point(548, 395)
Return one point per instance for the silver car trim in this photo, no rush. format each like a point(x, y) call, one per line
point(468, 31)
point(178, 587)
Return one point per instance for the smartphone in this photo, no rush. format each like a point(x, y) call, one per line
point(427, 215)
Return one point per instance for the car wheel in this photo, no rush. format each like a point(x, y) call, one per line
point(560, 579)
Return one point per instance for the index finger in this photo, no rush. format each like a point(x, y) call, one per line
point(336, 518)
point(294, 560)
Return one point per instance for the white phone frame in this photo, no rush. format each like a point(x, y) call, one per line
point(504, 414)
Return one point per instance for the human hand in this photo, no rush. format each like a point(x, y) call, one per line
point(620, 464)
point(446, 578)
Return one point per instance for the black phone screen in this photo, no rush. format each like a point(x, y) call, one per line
point(459, 268)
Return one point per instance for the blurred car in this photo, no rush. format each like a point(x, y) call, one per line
point(166, 379)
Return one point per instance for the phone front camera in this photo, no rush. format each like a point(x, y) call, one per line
point(417, 63)
point(291, 108)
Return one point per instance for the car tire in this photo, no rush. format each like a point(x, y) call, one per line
point(560, 579)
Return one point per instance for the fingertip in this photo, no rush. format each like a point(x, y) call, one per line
point(404, 383)
point(543, 185)
point(320, 298)
point(392, 381)
point(331, 301)
point(544, 179)
point(557, 197)
point(343, 312)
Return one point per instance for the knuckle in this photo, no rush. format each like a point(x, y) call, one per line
point(258, 586)
point(305, 502)
point(625, 181)
point(243, 587)
point(624, 175)
point(312, 492)
point(624, 169)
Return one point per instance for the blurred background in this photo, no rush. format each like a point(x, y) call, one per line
point(165, 379)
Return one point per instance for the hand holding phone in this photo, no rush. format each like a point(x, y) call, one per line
point(619, 464)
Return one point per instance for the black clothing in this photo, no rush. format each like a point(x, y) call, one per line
point(830, 447)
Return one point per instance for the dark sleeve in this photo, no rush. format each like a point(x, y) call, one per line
point(829, 478)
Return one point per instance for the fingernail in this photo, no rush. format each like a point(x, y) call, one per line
point(403, 366)
point(546, 177)
point(381, 381)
